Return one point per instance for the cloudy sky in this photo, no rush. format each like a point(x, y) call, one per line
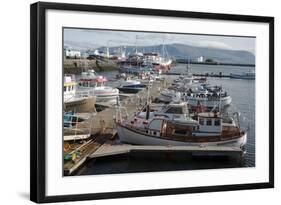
point(86, 38)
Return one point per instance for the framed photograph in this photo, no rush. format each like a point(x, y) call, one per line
point(129, 102)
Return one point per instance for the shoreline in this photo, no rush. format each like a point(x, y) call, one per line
point(185, 61)
point(76, 66)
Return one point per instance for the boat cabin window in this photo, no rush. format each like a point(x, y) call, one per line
point(217, 122)
point(201, 121)
point(155, 124)
point(175, 110)
point(92, 84)
point(85, 84)
point(209, 122)
point(180, 132)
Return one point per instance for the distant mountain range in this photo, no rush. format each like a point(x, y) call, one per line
point(183, 51)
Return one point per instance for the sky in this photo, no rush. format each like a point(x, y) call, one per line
point(90, 38)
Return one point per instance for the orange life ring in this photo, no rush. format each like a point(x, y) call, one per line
point(66, 147)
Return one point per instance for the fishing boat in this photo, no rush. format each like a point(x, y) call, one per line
point(160, 64)
point(197, 93)
point(131, 86)
point(174, 126)
point(69, 88)
point(92, 84)
point(74, 100)
point(207, 99)
point(249, 75)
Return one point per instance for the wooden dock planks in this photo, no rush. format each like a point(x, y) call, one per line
point(111, 150)
point(70, 166)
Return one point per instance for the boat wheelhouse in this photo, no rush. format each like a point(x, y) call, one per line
point(91, 84)
point(177, 111)
point(69, 87)
point(73, 99)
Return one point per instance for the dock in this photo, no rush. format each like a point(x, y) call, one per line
point(85, 150)
point(112, 150)
point(104, 119)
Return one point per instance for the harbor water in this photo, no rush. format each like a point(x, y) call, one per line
point(243, 101)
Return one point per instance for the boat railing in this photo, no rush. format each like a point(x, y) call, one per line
point(121, 112)
point(85, 93)
point(76, 126)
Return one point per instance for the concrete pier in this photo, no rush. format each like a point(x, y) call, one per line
point(104, 120)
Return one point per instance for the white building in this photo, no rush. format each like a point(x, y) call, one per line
point(69, 53)
point(200, 59)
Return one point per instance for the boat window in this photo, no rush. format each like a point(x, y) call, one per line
point(180, 132)
point(155, 124)
point(64, 88)
point(185, 110)
point(175, 110)
point(217, 122)
point(209, 122)
point(201, 121)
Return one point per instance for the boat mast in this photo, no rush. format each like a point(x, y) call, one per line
point(220, 100)
point(162, 51)
point(136, 44)
point(148, 102)
point(107, 49)
point(187, 67)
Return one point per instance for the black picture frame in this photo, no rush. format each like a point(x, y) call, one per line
point(38, 100)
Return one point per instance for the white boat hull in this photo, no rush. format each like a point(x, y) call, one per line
point(103, 94)
point(245, 77)
point(128, 136)
point(165, 98)
point(223, 102)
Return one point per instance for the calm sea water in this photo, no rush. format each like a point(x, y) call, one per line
point(243, 101)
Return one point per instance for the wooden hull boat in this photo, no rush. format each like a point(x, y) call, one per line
point(132, 135)
point(174, 126)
